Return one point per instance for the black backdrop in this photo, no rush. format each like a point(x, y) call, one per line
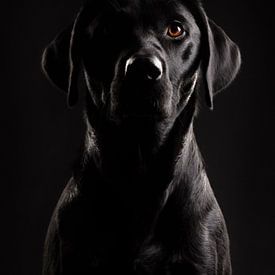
point(40, 136)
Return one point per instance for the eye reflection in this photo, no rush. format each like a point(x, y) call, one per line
point(175, 30)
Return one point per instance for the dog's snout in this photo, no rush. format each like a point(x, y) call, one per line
point(144, 68)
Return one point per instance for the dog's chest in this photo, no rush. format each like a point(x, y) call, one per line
point(113, 238)
point(106, 246)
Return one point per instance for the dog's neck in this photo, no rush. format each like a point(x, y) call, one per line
point(141, 149)
point(140, 177)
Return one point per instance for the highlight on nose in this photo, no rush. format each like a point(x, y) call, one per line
point(144, 68)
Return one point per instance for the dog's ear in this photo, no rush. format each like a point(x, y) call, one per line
point(221, 59)
point(60, 60)
point(55, 60)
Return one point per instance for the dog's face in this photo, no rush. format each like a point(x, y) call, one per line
point(142, 58)
point(139, 60)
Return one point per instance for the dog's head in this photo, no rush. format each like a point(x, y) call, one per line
point(142, 57)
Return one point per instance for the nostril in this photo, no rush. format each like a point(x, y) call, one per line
point(143, 67)
point(154, 69)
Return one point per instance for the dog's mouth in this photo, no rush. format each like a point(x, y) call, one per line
point(140, 99)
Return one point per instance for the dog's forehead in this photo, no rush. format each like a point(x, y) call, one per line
point(149, 9)
point(155, 9)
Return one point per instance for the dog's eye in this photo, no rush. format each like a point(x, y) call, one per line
point(175, 30)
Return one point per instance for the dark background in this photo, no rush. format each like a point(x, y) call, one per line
point(40, 137)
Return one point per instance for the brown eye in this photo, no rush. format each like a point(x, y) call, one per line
point(175, 30)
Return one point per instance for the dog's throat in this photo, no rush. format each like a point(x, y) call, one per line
point(135, 149)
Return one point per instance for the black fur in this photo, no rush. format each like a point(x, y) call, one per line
point(140, 201)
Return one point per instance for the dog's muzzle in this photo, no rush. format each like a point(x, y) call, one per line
point(141, 88)
point(144, 68)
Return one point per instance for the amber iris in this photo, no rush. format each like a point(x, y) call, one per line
point(175, 30)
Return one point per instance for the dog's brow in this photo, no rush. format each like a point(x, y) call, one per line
point(174, 5)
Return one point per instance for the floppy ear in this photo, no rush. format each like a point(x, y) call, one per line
point(221, 60)
point(61, 61)
point(55, 60)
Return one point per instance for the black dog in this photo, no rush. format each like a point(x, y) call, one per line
point(140, 202)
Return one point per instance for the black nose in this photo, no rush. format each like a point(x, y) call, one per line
point(144, 68)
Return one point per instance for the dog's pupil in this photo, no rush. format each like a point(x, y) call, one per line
point(175, 30)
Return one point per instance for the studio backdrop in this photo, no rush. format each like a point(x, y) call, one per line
point(40, 136)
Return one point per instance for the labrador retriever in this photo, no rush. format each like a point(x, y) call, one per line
point(139, 201)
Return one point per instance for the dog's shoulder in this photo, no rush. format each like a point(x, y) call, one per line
point(69, 208)
point(56, 230)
